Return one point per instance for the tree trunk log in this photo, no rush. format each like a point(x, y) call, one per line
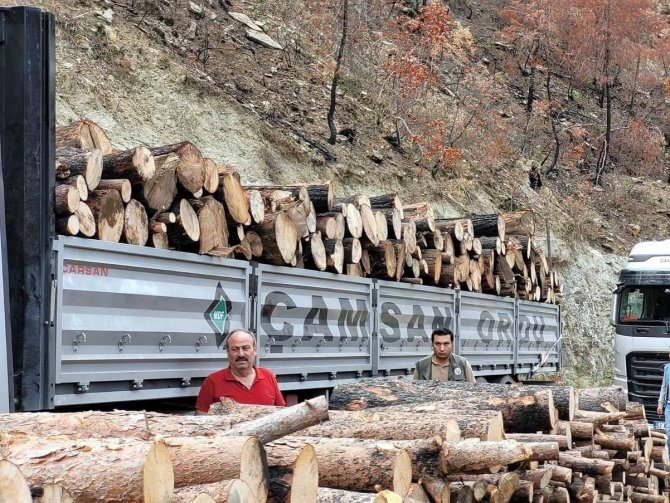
point(232, 194)
point(328, 495)
point(13, 486)
point(565, 399)
point(334, 255)
point(609, 399)
point(293, 473)
point(617, 441)
point(385, 201)
point(186, 229)
point(212, 224)
point(492, 225)
point(352, 250)
point(108, 212)
point(523, 409)
point(354, 221)
point(564, 441)
point(598, 418)
point(358, 465)
point(383, 260)
point(451, 226)
point(587, 466)
point(331, 225)
point(434, 260)
point(122, 185)
point(437, 489)
point(314, 252)
point(191, 167)
point(471, 456)
point(83, 134)
point(422, 215)
point(116, 470)
point(369, 224)
point(137, 165)
point(87, 163)
point(159, 192)
point(382, 225)
point(68, 226)
point(135, 224)
point(66, 199)
point(505, 483)
point(519, 223)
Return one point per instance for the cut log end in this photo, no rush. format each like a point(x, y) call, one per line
point(158, 475)
point(402, 474)
point(13, 486)
point(136, 224)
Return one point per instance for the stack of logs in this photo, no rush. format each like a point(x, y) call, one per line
point(173, 197)
point(382, 441)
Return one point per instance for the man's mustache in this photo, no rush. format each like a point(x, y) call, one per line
point(241, 359)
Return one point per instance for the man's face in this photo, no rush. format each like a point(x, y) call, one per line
point(241, 351)
point(442, 346)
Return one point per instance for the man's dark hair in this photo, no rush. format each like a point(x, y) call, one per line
point(441, 331)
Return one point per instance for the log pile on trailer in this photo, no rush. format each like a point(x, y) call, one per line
point(172, 197)
point(382, 441)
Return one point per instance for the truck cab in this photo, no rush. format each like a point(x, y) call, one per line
point(641, 317)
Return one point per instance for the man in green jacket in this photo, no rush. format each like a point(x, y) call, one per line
point(443, 364)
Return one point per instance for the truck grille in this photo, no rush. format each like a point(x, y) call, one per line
point(645, 376)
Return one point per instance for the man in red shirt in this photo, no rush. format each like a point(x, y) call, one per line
point(241, 380)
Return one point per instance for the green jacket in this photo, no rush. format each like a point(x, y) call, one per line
point(424, 368)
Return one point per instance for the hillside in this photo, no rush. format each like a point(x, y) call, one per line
point(159, 71)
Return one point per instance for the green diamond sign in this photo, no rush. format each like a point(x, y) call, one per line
point(218, 315)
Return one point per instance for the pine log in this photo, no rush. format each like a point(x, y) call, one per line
point(328, 495)
point(421, 214)
point(357, 200)
point(186, 229)
point(369, 223)
point(13, 486)
point(136, 165)
point(331, 225)
point(279, 237)
point(320, 194)
point(293, 473)
point(279, 197)
point(472, 456)
point(647, 498)
point(434, 260)
point(523, 493)
point(578, 429)
point(122, 185)
point(165, 217)
point(385, 201)
point(488, 225)
point(460, 492)
point(383, 261)
point(224, 491)
point(417, 494)
point(141, 471)
point(564, 441)
point(543, 450)
point(256, 205)
point(366, 263)
point(540, 477)
point(491, 243)
point(436, 488)
point(352, 250)
point(358, 465)
point(159, 240)
point(635, 410)
point(382, 226)
point(66, 199)
point(619, 441)
point(190, 170)
point(68, 226)
point(107, 210)
point(232, 194)
point(354, 221)
point(212, 224)
point(159, 192)
point(597, 418)
point(135, 224)
point(504, 483)
point(519, 223)
point(334, 255)
point(314, 252)
point(659, 454)
point(75, 162)
point(394, 222)
point(53, 493)
point(605, 399)
point(565, 399)
point(451, 226)
point(83, 134)
point(537, 405)
point(80, 183)
point(588, 466)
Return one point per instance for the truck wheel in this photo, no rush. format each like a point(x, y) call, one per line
point(506, 380)
point(480, 380)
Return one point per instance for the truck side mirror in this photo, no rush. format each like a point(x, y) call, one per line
point(616, 299)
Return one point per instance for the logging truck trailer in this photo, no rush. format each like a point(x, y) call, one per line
point(641, 317)
point(92, 323)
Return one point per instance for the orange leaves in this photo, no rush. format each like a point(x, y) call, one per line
point(433, 27)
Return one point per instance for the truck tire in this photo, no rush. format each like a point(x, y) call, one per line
point(480, 380)
point(508, 379)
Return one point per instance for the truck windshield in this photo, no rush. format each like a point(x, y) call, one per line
point(644, 304)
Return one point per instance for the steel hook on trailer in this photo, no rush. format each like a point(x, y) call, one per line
point(126, 339)
point(166, 339)
point(202, 340)
point(79, 339)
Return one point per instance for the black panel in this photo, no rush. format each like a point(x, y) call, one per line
point(645, 376)
point(27, 94)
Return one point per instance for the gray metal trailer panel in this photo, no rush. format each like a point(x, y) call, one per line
point(137, 323)
point(539, 331)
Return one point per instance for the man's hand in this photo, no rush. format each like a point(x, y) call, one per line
point(659, 410)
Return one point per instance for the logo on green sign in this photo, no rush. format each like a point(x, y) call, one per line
point(218, 315)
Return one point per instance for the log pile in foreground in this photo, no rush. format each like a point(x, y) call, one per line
point(172, 197)
point(388, 441)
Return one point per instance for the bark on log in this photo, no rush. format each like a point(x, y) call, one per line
point(383, 260)
point(314, 252)
point(224, 491)
point(519, 223)
point(587, 466)
point(87, 224)
point(436, 488)
point(421, 214)
point(320, 194)
point(186, 229)
point(434, 260)
point(66, 199)
point(331, 225)
point(159, 192)
point(279, 237)
point(75, 162)
point(578, 429)
point(159, 240)
point(618, 441)
point(334, 255)
point(523, 409)
point(382, 226)
point(83, 134)
point(504, 483)
point(358, 465)
point(137, 165)
point(598, 418)
point(385, 201)
point(108, 213)
point(352, 250)
point(293, 473)
point(564, 441)
point(565, 399)
point(605, 399)
point(256, 205)
point(279, 197)
point(523, 492)
point(461, 493)
point(232, 194)
point(451, 226)
point(488, 225)
point(122, 185)
point(471, 456)
point(135, 224)
point(68, 225)
point(140, 471)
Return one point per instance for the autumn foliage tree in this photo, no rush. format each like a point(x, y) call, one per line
point(611, 48)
